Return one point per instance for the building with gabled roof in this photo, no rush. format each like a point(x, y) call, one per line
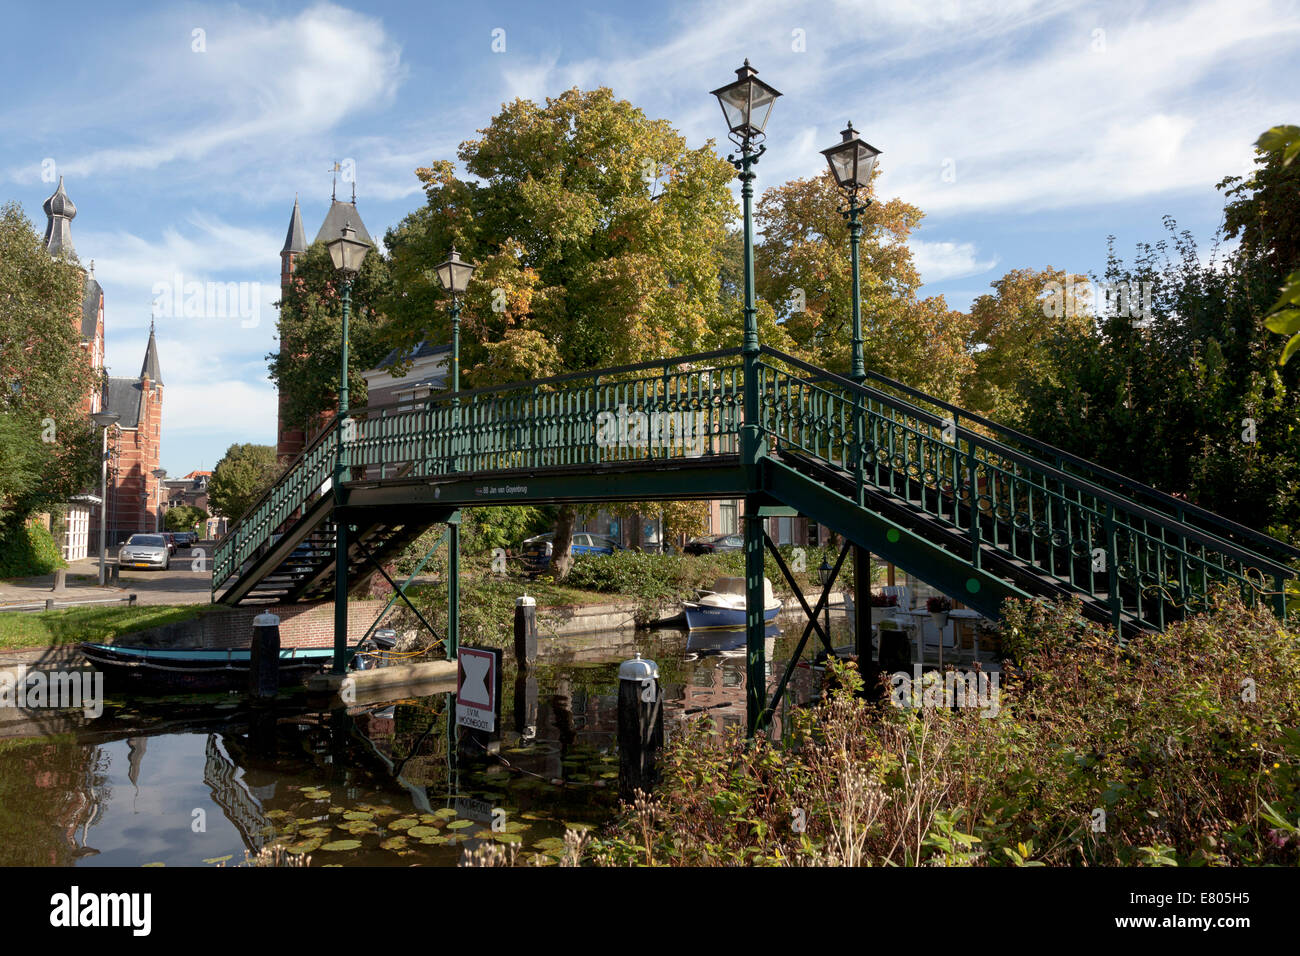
point(135, 440)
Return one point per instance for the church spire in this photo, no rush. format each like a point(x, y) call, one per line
point(58, 233)
point(295, 240)
point(150, 369)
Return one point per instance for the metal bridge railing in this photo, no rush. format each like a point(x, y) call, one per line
point(1145, 564)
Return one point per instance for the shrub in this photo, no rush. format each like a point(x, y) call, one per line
point(1179, 747)
point(29, 551)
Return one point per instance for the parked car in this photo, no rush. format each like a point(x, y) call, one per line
point(170, 538)
point(535, 552)
point(713, 543)
point(145, 551)
point(186, 539)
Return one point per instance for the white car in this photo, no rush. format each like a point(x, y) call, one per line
point(144, 551)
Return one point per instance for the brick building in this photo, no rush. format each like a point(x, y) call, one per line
point(134, 445)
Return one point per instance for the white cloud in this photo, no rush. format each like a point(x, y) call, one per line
point(937, 261)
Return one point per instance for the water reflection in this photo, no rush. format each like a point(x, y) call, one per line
point(189, 781)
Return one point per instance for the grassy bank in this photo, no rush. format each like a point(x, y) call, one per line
point(19, 629)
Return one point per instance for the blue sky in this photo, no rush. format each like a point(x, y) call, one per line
point(1026, 131)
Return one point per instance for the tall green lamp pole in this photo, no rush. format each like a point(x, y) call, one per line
point(852, 161)
point(746, 105)
point(454, 274)
point(346, 253)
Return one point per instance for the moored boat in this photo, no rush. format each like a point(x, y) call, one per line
point(197, 669)
point(724, 606)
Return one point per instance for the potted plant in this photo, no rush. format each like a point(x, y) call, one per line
point(882, 606)
point(939, 606)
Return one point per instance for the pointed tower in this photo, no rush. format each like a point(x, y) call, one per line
point(58, 232)
point(149, 371)
point(295, 244)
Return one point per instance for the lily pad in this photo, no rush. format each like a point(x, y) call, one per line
point(306, 846)
point(315, 832)
point(339, 845)
point(419, 833)
point(358, 815)
point(507, 838)
point(436, 840)
point(459, 824)
point(405, 823)
point(219, 859)
point(444, 813)
point(357, 827)
point(315, 793)
point(393, 843)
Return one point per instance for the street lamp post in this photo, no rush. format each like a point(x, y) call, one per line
point(160, 474)
point(852, 161)
point(746, 105)
point(454, 274)
point(104, 420)
point(346, 255)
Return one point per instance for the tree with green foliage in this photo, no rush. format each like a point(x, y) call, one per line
point(47, 447)
point(1190, 400)
point(306, 368)
point(1276, 225)
point(185, 518)
point(241, 478)
point(599, 236)
point(1013, 332)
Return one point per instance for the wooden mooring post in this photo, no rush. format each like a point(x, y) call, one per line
point(640, 726)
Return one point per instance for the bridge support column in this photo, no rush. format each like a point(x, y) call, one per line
point(340, 593)
point(453, 585)
point(862, 615)
point(755, 653)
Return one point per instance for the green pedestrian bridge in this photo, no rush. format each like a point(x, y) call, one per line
point(979, 511)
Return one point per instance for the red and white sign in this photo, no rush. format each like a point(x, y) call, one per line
point(478, 687)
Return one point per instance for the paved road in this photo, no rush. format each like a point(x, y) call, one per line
point(180, 584)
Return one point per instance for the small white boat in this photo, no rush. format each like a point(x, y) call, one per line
point(724, 606)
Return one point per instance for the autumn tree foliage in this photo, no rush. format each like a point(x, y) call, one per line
point(802, 267)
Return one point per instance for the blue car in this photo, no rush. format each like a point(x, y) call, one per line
point(535, 553)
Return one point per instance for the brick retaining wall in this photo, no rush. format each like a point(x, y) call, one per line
point(301, 625)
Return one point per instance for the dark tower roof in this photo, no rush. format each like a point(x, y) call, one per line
point(295, 239)
point(58, 233)
point(150, 369)
point(90, 308)
point(339, 215)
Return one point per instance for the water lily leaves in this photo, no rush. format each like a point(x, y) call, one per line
point(306, 846)
point(612, 775)
point(337, 846)
point(393, 843)
point(444, 813)
point(405, 823)
point(431, 817)
point(550, 845)
point(337, 810)
point(436, 840)
point(459, 824)
point(278, 814)
point(381, 810)
point(420, 833)
point(515, 826)
point(580, 827)
point(507, 838)
point(315, 793)
point(315, 832)
point(358, 815)
point(356, 827)
point(155, 864)
point(219, 859)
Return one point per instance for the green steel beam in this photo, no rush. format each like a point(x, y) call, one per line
point(944, 570)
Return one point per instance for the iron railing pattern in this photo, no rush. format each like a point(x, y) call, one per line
point(1061, 518)
point(1146, 565)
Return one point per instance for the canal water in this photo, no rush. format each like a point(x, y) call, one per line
point(205, 781)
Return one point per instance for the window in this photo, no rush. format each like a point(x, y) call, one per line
point(784, 530)
point(727, 517)
point(814, 534)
